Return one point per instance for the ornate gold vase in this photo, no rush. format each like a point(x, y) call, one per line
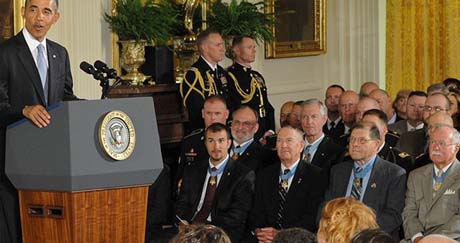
point(132, 57)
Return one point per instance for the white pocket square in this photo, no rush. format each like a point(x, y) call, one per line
point(449, 192)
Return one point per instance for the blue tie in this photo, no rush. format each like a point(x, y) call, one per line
point(42, 69)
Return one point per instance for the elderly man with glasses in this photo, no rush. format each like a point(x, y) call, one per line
point(374, 181)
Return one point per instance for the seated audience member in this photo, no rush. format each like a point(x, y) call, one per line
point(432, 198)
point(387, 151)
point(414, 142)
point(294, 117)
point(384, 100)
point(454, 111)
point(437, 88)
point(192, 147)
point(218, 191)
point(372, 236)
point(269, 138)
point(376, 182)
point(334, 126)
point(294, 235)
point(342, 218)
point(287, 194)
point(319, 149)
point(364, 104)
point(245, 149)
point(435, 238)
point(400, 103)
point(366, 88)
point(202, 233)
point(452, 84)
point(414, 112)
point(347, 110)
point(285, 111)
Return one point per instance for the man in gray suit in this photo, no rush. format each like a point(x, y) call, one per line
point(376, 182)
point(432, 198)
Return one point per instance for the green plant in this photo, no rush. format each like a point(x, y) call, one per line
point(243, 18)
point(151, 21)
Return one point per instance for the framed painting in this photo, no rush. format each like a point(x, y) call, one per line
point(300, 28)
point(10, 18)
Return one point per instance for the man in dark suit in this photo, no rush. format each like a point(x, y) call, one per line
point(245, 149)
point(319, 149)
point(249, 86)
point(376, 182)
point(334, 126)
point(347, 110)
point(287, 193)
point(205, 77)
point(34, 73)
point(218, 191)
point(414, 111)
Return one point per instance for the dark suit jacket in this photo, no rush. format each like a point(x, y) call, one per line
point(336, 132)
point(232, 200)
point(384, 193)
point(20, 85)
point(413, 142)
point(305, 194)
point(256, 157)
point(328, 154)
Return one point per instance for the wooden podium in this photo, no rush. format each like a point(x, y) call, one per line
point(70, 188)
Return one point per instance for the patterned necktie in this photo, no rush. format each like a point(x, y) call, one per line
point(203, 214)
point(42, 69)
point(282, 193)
point(307, 154)
point(357, 185)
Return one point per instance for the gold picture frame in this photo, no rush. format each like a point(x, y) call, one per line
point(300, 28)
point(10, 18)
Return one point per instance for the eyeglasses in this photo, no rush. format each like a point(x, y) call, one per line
point(441, 143)
point(246, 124)
point(360, 140)
point(430, 108)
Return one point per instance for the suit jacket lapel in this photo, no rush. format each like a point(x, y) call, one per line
point(428, 185)
point(30, 67)
point(298, 177)
point(53, 60)
point(374, 181)
point(451, 177)
point(344, 179)
point(200, 178)
point(225, 178)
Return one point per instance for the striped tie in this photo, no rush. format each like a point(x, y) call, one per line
point(282, 193)
point(357, 185)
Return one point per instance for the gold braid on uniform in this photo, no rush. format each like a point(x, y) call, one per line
point(254, 85)
point(198, 78)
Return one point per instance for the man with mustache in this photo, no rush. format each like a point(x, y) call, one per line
point(432, 198)
point(217, 191)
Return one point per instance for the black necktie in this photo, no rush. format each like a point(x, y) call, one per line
point(332, 125)
point(282, 193)
point(203, 214)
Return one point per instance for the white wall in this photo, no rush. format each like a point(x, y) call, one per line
point(354, 52)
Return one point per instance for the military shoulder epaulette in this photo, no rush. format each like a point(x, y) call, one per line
point(195, 132)
point(403, 155)
point(394, 134)
point(420, 155)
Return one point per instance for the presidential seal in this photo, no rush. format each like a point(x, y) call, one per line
point(117, 135)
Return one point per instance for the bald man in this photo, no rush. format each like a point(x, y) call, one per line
point(386, 105)
point(367, 88)
point(347, 110)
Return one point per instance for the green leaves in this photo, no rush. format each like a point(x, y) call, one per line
point(150, 21)
point(244, 18)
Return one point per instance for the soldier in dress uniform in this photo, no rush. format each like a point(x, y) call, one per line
point(249, 87)
point(193, 148)
point(204, 78)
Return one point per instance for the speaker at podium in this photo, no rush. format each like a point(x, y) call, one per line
point(85, 177)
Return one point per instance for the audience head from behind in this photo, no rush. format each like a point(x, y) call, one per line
point(285, 111)
point(372, 236)
point(367, 88)
point(435, 238)
point(200, 233)
point(342, 218)
point(244, 124)
point(294, 235)
point(214, 110)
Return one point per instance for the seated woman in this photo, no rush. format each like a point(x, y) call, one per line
point(342, 218)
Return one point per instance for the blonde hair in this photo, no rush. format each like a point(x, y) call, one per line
point(201, 233)
point(342, 218)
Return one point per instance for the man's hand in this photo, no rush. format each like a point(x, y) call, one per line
point(266, 235)
point(38, 115)
point(263, 139)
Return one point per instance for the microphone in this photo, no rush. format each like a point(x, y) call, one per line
point(111, 73)
point(89, 69)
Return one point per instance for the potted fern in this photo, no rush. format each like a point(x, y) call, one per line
point(243, 18)
point(139, 23)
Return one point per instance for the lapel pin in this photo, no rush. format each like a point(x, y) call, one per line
point(54, 56)
point(300, 180)
point(228, 174)
point(373, 185)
